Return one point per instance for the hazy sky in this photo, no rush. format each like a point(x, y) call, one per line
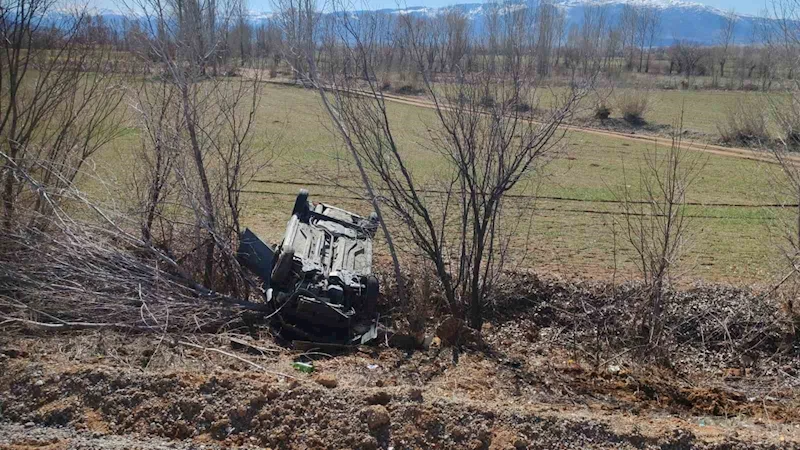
point(740, 6)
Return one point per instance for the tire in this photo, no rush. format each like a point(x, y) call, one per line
point(283, 267)
point(301, 208)
point(371, 296)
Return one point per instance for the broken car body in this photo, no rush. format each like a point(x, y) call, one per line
point(318, 282)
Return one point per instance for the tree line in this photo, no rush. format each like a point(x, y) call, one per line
point(536, 34)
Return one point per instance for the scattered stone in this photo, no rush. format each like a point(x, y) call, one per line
point(375, 416)
point(476, 444)
point(368, 443)
point(327, 379)
point(415, 394)
point(458, 432)
point(379, 398)
point(14, 353)
point(270, 392)
point(29, 424)
point(39, 383)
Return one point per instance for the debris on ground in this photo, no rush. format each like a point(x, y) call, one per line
point(326, 379)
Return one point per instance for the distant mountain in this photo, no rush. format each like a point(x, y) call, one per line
point(679, 19)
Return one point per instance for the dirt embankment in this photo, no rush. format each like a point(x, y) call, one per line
point(538, 378)
point(530, 399)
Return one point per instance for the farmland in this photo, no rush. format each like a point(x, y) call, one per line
point(572, 229)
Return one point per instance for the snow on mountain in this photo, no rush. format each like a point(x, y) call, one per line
point(680, 20)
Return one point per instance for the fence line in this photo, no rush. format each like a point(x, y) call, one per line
point(537, 197)
point(563, 210)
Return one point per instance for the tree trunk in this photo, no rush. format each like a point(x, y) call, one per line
point(208, 205)
point(8, 187)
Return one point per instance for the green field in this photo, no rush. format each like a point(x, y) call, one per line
point(703, 110)
point(569, 237)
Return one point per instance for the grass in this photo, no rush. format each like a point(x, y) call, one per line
point(568, 237)
point(703, 110)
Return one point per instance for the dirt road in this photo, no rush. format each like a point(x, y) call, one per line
point(734, 152)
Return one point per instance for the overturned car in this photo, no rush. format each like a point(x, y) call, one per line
point(318, 283)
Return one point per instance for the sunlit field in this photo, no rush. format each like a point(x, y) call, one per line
point(573, 228)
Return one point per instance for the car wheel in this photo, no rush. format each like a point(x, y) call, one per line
point(283, 268)
point(301, 207)
point(371, 296)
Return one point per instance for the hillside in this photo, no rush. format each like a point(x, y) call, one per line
point(679, 20)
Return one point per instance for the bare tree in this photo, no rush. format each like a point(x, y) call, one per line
point(239, 40)
point(492, 33)
point(657, 224)
point(197, 148)
point(640, 27)
point(549, 27)
point(652, 27)
point(299, 21)
point(613, 47)
point(688, 55)
point(456, 45)
point(784, 37)
point(630, 30)
point(488, 148)
point(593, 33)
point(58, 105)
point(727, 36)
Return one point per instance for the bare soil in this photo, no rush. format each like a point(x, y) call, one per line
point(557, 365)
point(513, 389)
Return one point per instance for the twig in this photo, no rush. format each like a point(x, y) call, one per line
point(158, 346)
point(244, 360)
point(74, 325)
point(244, 343)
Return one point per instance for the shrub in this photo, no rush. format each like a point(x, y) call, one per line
point(385, 83)
point(487, 101)
point(787, 116)
point(520, 106)
point(633, 104)
point(408, 89)
point(744, 124)
point(602, 111)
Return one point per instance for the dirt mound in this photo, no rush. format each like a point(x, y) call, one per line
point(512, 394)
point(708, 327)
point(556, 366)
point(232, 410)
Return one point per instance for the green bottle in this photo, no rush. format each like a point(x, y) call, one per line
point(303, 367)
